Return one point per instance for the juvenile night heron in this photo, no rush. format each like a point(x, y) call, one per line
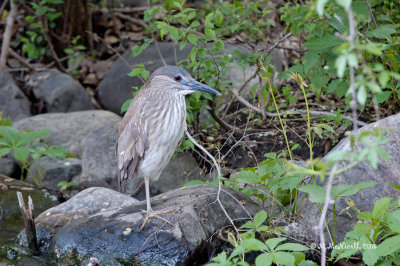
point(153, 126)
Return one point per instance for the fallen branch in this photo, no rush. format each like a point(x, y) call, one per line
point(29, 221)
point(7, 34)
point(21, 59)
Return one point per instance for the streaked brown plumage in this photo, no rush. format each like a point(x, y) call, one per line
point(154, 125)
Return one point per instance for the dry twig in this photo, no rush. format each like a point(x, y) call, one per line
point(7, 34)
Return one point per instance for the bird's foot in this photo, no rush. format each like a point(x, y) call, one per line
point(154, 214)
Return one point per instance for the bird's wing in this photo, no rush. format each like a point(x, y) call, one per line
point(132, 142)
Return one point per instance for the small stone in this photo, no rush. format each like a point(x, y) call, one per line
point(127, 231)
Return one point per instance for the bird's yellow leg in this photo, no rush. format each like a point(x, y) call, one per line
point(150, 213)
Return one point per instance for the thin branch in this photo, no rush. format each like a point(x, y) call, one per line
point(20, 59)
point(219, 175)
point(48, 39)
point(7, 34)
point(371, 15)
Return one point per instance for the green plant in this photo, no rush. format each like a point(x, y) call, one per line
point(376, 235)
point(35, 43)
point(270, 251)
point(21, 144)
point(74, 54)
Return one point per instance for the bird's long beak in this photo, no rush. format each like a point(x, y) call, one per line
point(197, 86)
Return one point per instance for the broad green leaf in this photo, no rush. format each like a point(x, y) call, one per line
point(56, 152)
point(260, 217)
point(298, 257)
point(370, 256)
point(291, 247)
point(246, 177)
point(4, 151)
point(30, 136)
point(380, 207)
point(383, 32)
point(253, 244)
point(273, 242)
point(316, 193)
point(383, 96)
point(193, 39)
point(345, 190)
point(284, 258)
point(21, 153)
point(344, 3)
point(323, 43)
point(320, 7)
point(388, 246)
point(264, 259)
point(10, 134)
point(362, 95)
point(307, 263)
point(393, 221)
point(194, 183)
point(340, 64)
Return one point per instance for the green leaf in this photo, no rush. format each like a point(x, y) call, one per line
point(174, 33)
point(264, 259)
point(4, 151)
point(210, 33)
point(388, 246)
point(298, 257)
point(383, 32)
point(30, 136)
point(340, 64)
point(307, 263)
point(21, 153)
point(383, 96)
point(344, 3)
point(316, 193)
point(273, 242)
point(253, 244)
point(193, 39)
point(125, 105)
point(284, 258)
point(323, 43)
point(246, 177)
point(320, 7)
point(362, 95)
point(56, 152)
point(393, 221)
point(194, 183)
point(10, 134)
point(292, 247)
point(260, 218)
point(380, 207)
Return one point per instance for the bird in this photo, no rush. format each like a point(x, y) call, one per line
point(153, 127)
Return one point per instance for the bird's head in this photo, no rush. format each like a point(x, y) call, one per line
point(178, 80)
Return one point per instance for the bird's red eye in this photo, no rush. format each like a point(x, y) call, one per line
point(178, 78)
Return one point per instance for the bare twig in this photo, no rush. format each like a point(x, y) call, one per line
point(353, 104)
point(132, 20)
point(3, 6)
point(371, 15)
point(29, 221)
point(219, 175)
point(7, 34)
point(20, 59)
point(48, 39)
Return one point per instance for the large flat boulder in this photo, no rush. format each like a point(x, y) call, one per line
point(105, 224)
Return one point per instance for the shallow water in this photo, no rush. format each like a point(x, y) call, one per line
point(11, 222)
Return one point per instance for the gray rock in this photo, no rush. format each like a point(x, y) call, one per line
point(54, 171)
point(386, 173)
point(69, 129)
point(105, 224)
point(60, 92)
point(7, 166)
point(13, 102)
point(181, 169)
point(99, 166)
point(116, 87)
